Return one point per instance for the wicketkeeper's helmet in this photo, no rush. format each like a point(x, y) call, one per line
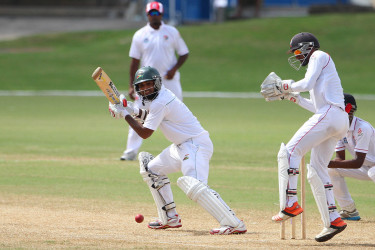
point(302, 44)
point(350, 103)
point(147, 74)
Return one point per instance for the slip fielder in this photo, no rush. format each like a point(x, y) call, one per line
point(360, 142)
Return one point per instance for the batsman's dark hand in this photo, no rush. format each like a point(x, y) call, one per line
point(170, 74)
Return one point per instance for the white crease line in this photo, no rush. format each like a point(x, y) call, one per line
point(190, 94)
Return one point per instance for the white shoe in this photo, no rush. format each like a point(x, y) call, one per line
point(128, 156)
point(337, 226)
point(240, 229)
point(174, 222)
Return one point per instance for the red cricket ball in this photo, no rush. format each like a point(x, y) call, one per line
point(139, 218)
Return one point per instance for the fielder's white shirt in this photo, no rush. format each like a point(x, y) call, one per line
point(157, 48)
point(360, 138)
point(322, 81)
point(174, 119)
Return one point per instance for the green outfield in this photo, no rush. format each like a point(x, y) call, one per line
point(69, 147)
point(234, 56)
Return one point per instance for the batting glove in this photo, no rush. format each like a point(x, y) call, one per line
point(129, 106)
point(117, 110)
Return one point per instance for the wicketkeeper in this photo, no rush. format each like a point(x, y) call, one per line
point(360, 142)
point(318, 134)
point(190, 153)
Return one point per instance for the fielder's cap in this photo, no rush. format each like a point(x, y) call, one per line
point(350, 103)
point(154, 6)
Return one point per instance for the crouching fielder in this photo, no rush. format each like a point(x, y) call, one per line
point(190, 153)
point(319, 134)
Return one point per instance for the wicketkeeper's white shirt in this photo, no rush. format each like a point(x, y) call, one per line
point(157, 48)
point(322, 82)
point(360, 138)
point(174, 119)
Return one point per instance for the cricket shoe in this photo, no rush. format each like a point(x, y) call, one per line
point(174, 222)
point(128, 156)
point(240, 229)
point(337, 226)
point(288, 213)
point(353, 215)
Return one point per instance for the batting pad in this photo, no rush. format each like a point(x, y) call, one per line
point(144, 158)
point(209, 200)
point(317, 188)
point(283, 166)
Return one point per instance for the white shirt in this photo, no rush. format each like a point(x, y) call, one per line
point(360, 138)
point(157, 48)
point(173, 117)
point(322, 82)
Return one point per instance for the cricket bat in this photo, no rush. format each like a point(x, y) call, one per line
point(106, 85)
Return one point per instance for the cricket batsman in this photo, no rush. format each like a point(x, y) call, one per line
point(190, 153)
point(319, 134)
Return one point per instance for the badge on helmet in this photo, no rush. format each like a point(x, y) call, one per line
point(145, 74)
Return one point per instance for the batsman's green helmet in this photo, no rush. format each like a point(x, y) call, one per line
point(147, 74)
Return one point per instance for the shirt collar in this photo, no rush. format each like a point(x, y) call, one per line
point(354, 121)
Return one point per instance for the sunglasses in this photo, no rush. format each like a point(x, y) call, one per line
point(154, 13)
point(297, 52)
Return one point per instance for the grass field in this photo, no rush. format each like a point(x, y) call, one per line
point(62, 185)
point(234, 56)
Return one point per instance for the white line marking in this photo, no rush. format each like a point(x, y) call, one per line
point(189, 94)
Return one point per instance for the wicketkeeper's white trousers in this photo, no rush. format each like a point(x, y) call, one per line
point(320, 135)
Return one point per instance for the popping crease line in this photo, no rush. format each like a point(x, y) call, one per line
point(189, 94)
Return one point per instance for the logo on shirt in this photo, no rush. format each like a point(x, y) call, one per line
point(145, 41)
point(166, 37)
point(345, 140)
point(186, 157)
point(360, 133)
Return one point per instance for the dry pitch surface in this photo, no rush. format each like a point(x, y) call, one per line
point(37, 222)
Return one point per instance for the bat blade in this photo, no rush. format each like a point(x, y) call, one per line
point(106, 85)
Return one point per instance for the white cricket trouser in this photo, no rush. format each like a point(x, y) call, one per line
point(134, 141)
point(340, 189)
point(320, 135)
point(191, 157)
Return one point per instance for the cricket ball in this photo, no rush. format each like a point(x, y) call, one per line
point(139, 218)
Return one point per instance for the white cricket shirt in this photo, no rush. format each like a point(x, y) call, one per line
point(360, 138)
point(322, 82)
point(157, 48)
point(173, 117)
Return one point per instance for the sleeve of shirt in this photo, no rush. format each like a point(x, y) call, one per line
point(155, 116)
point(313, 72)
point(181, 46)
point(340, 146)
point(363, 136)
point(135, 51)
point(306, 104)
